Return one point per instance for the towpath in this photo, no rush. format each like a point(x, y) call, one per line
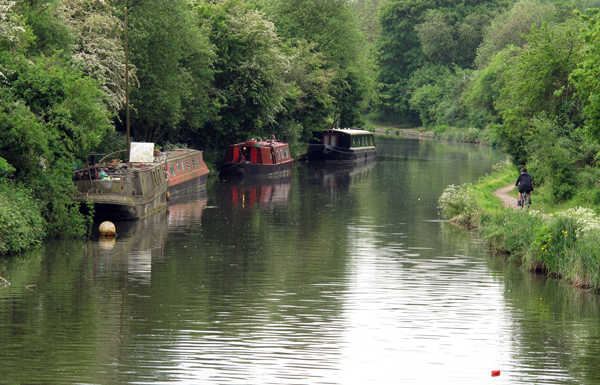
point(507, 200)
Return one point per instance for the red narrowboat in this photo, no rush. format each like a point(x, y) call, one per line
point(186, 170)
point(257, 158)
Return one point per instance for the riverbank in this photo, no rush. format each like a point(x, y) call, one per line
point(562, 241)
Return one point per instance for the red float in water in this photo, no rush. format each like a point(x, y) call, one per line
point(495, 373)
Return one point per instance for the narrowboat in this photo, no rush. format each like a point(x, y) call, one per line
point(122, 190)
point(342, 145)
point(257, 158)
point(186, 170)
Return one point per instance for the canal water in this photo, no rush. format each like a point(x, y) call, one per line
point(330, 276)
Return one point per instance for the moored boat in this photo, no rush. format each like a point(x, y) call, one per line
point(123, 190)
point(257, 158)
point(186, 170)
point(342, 145)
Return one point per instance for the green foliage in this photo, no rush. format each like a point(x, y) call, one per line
point(5, 169)
point(459, 204)
point(510, 28)
point(333, 28)
point(21, 223)
point(435, 94)
point(482, 93)
point(585, 77)
point(539, 84)
point(173, 58)
point(413, 34)
point(51, 34)
point(510, 231)
point(249, 71)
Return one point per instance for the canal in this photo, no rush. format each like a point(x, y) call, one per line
point(330, 276)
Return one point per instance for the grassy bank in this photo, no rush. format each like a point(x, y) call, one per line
point(562, 241)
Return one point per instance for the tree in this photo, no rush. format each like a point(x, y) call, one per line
point(167, 45)
point(309, 103)
point(98, 47)
point(248, 85)
point(540, 84)
point(332, 25)
point(510, 27)
point(585, 76)
point(49, 115)
point(413, 34)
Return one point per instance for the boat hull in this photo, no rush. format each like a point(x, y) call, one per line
point(135, 194)
point(242, 170)
point(186, 169)
point(324, 153)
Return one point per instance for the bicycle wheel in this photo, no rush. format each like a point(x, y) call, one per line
point(526, 200)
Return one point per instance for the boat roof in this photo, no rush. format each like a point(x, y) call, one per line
point(350, 131)
point(180, 152)
point(261, 143)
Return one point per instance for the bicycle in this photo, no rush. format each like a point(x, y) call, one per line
point(526, 200)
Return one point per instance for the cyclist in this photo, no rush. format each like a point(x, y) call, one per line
point(525, 185)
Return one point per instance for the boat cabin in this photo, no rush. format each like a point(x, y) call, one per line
point(258, 152)
point(348, 138)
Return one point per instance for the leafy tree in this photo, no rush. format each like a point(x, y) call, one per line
point(167, 45)
point(248, 84)
point(332, 25)
point(15, 34)
point(367, 12)
point(540, 83)
point(585, 76)
point(413, 34)
point(98, 47)
point(511, 27)
point(51, 33)
point(49, 114)
point(483, 91)
point(309, 102)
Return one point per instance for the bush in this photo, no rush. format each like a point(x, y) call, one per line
point(21, 223)
point(458, 203)
point(509, 231)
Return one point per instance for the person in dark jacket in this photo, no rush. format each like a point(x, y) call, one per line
point(525, 183)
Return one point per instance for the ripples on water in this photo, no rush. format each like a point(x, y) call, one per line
point(325, 278)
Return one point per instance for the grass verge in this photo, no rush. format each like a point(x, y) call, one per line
point(561, 241)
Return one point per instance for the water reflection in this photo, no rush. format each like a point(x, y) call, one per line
point(337, 178)
point(133, 247)
point(185, 210)
point(247, 193)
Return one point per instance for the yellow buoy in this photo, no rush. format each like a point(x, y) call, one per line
point(107, 228)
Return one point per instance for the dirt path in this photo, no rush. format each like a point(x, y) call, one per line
point(507, 200)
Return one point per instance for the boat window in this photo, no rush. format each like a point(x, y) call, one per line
point(187, 163)
point(172, 169)
point(278, 155)
point(285, 151)
point(182, 166)
point(178, 169)
point(194, 162)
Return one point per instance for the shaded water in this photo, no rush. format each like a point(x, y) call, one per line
point(326, 277)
